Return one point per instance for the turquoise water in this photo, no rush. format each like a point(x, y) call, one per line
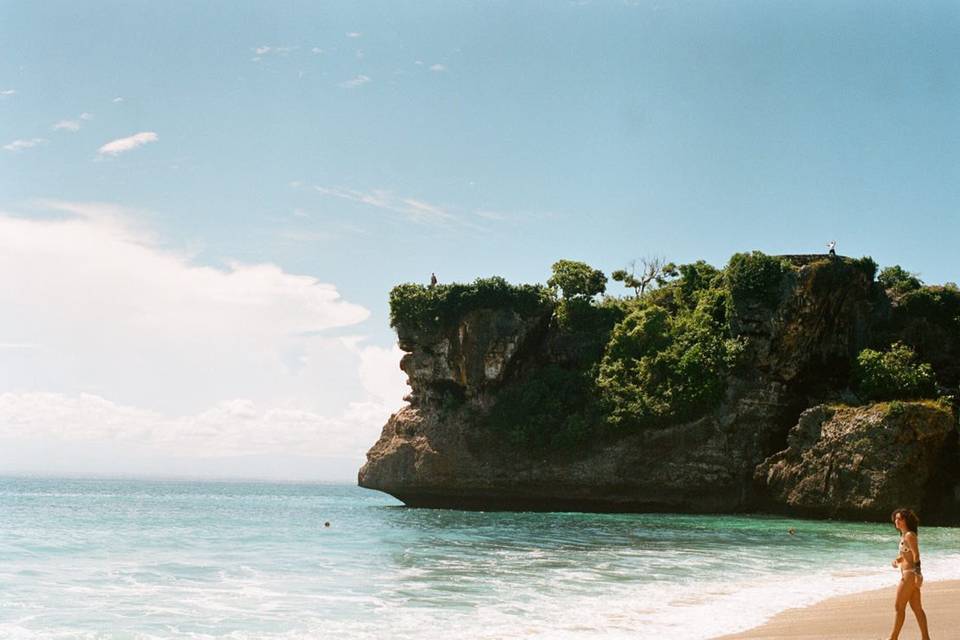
point(144, 559)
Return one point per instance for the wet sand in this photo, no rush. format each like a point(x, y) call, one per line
point(864, 616)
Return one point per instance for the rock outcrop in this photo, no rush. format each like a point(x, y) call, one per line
point(858, 461)
point(439, 451)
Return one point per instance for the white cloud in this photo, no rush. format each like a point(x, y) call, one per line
point(316, 50)
point(359, 81)
point(412, 209)
point(118, 99)
point(122, 145)
point(121, 342)
point(438, 67)
point(272, 50)
point(8, 92)
point(235, 427)
point(72, 125)
point(20, 145)
point(354, 34)
point(67, 125)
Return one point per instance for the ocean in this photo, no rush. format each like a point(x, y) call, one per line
point(138, 559)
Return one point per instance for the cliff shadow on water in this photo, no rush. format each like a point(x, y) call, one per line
point(804, 384)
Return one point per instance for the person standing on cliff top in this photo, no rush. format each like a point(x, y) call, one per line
point(433, 280)
point(832, 245)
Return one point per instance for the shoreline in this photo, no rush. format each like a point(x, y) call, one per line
point(867, 615)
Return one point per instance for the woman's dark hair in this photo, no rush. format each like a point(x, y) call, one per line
point(913, 522)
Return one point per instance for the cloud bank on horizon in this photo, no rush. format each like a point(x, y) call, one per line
point(121, 344)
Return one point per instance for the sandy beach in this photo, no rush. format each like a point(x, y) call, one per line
point(863, 616)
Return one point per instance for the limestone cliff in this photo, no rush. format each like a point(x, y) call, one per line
point(858, 461)
point(439, 451)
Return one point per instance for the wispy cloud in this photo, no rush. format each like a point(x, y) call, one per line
point(20, 145)
point(316, 50)
point(270, 50)
point(359, 81)
point(438, 67)
point(354, 34)
point(118, 99)
point(67, 125)
point(122, 145)
point(412, 209)
point(72, 125)
point(8, 92)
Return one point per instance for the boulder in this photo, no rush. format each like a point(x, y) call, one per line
point(860, 462)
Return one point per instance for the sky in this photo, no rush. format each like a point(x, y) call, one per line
point(204, 206)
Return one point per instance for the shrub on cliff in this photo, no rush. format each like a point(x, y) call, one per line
point(694, 278)
point(928, 319)
point(898, 280)
point(546, 410)
point(755, 277)
point(661, 368)
point(893, 374)
point(577, 279)
point(938, 305)
point(417, 307)
point(867, 265)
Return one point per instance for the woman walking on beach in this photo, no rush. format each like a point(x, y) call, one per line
point(908, 591)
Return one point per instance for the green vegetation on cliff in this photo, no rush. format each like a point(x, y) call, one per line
point(755, 277)
point(668, 359)
point(553, 408)
point(416, 307)
point(668, 353)
point(894, 375)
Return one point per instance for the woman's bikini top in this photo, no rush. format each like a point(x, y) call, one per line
point(905, 548)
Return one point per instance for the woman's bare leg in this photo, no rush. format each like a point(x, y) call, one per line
point(904, 590)
point(917, 607)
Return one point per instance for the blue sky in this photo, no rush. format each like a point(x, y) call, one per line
point(306, 157)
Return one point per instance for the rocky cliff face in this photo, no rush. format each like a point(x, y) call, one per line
point(858, 461)
point(439, 452)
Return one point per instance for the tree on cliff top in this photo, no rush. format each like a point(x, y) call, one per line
point(899, 280)
point(577, 280)
point(649, 273)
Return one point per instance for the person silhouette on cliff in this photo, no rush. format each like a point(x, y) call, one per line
point(433, 280)
point(832, 246)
